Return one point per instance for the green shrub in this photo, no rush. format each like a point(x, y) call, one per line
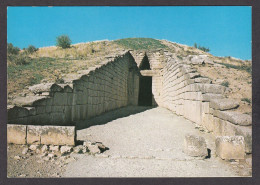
point(226, 84)
point(12, 50)
point(31, 49)
point(63, 41)
point(201, 47)
point(204, 48)
point(246, 100)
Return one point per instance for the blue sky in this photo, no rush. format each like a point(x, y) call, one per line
point(226, 30)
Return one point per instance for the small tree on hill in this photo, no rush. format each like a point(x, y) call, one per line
point(31, 49)
point(63, 41)
point(12, 50)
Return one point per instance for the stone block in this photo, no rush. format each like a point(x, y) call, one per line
point(230, 147)
point(45, 87)
point(212, 88)
point(40, 119)
point(236, 118)
point(33, 134)
point(202, 80)
point(224, 104)
point(27, 101)
point(60, 99)
point(40, 109)
point(17, 112)
point(16, 134)
point(58, 135)
point(208, 96)
point(195, 146)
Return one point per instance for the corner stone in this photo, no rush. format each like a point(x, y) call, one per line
point(58, 135)
point(195, 146)
point(16, 134)
point(230, 147)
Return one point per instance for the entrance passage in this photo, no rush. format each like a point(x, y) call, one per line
point(145, 91)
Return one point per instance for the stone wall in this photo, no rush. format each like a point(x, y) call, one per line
point(188, 94)
point(111, 85)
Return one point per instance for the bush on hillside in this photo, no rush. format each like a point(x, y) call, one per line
point(201, 47)
point(12, 49)
point(20, 59)
point(63, 41)
point(31, 49)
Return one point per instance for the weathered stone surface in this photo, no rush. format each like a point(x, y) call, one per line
point(45, 87)
point(17, 112)
point(65, 150)
point(44, 148)
point(200, 59)
point(209, 96)
point(236, 118)
point(212, 88)
point(33, 134)
point(16, 134)
point(78, 149)
point(25, 150)
point(54, 148)
point(34, 147)
point(202, 80)
point(58, 135)
point(195, 146)
point(224, 104)
point(230, 147)
point(27, 101)
point(92, 147)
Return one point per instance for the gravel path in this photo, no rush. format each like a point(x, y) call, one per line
point(143, 142)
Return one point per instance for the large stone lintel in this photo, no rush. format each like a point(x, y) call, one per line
point(149, 72)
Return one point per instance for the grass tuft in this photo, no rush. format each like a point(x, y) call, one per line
point(140, 43)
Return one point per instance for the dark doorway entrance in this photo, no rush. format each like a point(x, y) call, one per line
point(145, 91)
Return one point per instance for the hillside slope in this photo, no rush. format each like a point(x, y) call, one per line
point(51, 64)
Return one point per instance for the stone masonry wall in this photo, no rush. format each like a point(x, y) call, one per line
point(188, 94)
point(111, 85)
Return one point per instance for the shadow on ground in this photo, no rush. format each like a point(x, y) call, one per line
point(111, 115)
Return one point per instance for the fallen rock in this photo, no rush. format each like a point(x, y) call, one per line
point(44, 148)
point(17, 157)
point(101, 146)
point(25, 150)
point(230, 147)
point(92, 147)
point(38, 151)
point(33, 147)
point(54, 148)
point(195, 146)
point(78, 149)
point(51, 156)
point(65, 150)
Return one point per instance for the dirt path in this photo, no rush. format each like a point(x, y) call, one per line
point(143, 142)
